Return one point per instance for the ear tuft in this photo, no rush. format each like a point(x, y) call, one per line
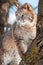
point(28, 6)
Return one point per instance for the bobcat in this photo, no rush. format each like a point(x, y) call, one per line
point(23, 33)
point(25, 30)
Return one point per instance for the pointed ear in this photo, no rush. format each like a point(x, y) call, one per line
point(17, 4)
point(28, 6)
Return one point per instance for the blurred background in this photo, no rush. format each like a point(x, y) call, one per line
point(34, 3)
point(12, 9)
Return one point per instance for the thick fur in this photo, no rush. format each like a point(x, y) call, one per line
point(22, 36)
point(11, 53)
point(26, 26)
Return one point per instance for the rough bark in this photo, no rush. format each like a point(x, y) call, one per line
point(40, 13)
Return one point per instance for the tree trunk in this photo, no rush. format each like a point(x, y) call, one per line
point(40, 14)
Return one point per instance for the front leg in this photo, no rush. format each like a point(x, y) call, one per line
point(13, 63)
point(6, 59)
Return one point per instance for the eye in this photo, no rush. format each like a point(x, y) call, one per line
point(22, 16)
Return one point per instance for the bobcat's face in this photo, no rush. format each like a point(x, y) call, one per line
point(26, 20)
point(25, 14)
